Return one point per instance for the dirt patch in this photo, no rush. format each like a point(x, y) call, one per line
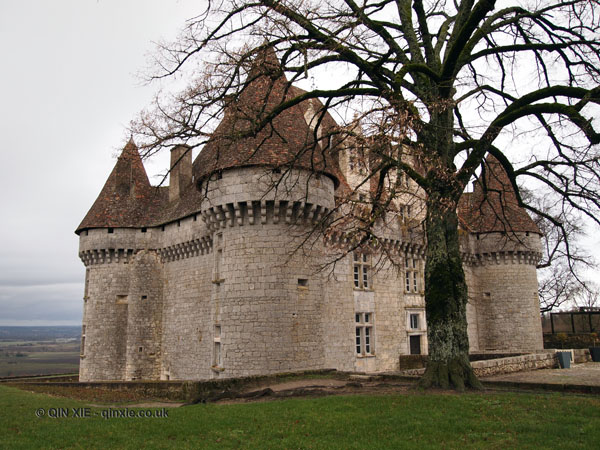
point(323, 383)
point(321, 388)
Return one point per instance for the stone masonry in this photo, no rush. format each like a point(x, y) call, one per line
point(227, 272)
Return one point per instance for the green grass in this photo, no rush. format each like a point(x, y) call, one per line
point(504, 420)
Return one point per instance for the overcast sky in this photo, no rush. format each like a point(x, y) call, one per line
point(69, 86)
point(68, 89)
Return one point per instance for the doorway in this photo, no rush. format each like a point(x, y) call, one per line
point(415, 345)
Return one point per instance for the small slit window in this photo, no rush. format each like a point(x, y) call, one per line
point(217, 357)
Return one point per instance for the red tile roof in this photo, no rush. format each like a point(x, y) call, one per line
point(286, 141)
point(493, 205)
point(127, 198)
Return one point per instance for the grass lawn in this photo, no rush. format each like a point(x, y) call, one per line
point(503, 420)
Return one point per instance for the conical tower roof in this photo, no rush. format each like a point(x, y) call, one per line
point(286, 141)
point(127, 198)
point(493, 205)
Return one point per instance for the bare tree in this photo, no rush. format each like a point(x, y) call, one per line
point(589, 298)
point(563, 259)
point(558, 286)
point(451, 81)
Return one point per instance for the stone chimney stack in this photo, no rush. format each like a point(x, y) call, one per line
point(181, 171)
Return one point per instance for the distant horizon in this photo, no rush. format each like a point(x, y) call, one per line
point(38, 323)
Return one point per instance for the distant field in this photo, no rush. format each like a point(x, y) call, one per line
point(38, 357)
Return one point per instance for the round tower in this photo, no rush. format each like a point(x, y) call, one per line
point(264, 195)
point(501, 250)
point(118, 279)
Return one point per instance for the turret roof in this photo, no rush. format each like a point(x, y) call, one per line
point(493, 204)
point(127, 198)
point(287, 140)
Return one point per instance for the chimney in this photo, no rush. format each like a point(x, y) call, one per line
point(181, 171)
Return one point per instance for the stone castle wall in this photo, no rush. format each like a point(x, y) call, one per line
point(236, 289)
point(109, 256)
point(267, 293)
point(505, 299)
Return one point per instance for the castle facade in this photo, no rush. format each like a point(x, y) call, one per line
point(225, 272)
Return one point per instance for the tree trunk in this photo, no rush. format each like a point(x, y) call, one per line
point(446, 302)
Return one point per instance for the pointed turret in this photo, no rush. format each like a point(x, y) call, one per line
point(125, 197)
point(286, 141)
point(493, 205)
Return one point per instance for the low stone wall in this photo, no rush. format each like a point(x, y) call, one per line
point(184, 391)
point(578, 355)
point(488, 367)
point(407, 362)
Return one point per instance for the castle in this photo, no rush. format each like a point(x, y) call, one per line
point(224, 273)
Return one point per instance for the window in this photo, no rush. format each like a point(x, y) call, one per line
point(414, 321)
point(411, 275)
point(364, 333)
point(405, 212)
point(403, 178)
point(86, 289)
point(82, 349)
point(362, 271)
point(217, 347)
point(218, 257)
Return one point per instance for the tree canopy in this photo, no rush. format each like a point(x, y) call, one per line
point(453, 81)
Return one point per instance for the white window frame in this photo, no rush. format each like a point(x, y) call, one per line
point(361, 271)
point(412, 275)
point(421, 325)
point(421, 329)
point(414, 321)
point(364, 337)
